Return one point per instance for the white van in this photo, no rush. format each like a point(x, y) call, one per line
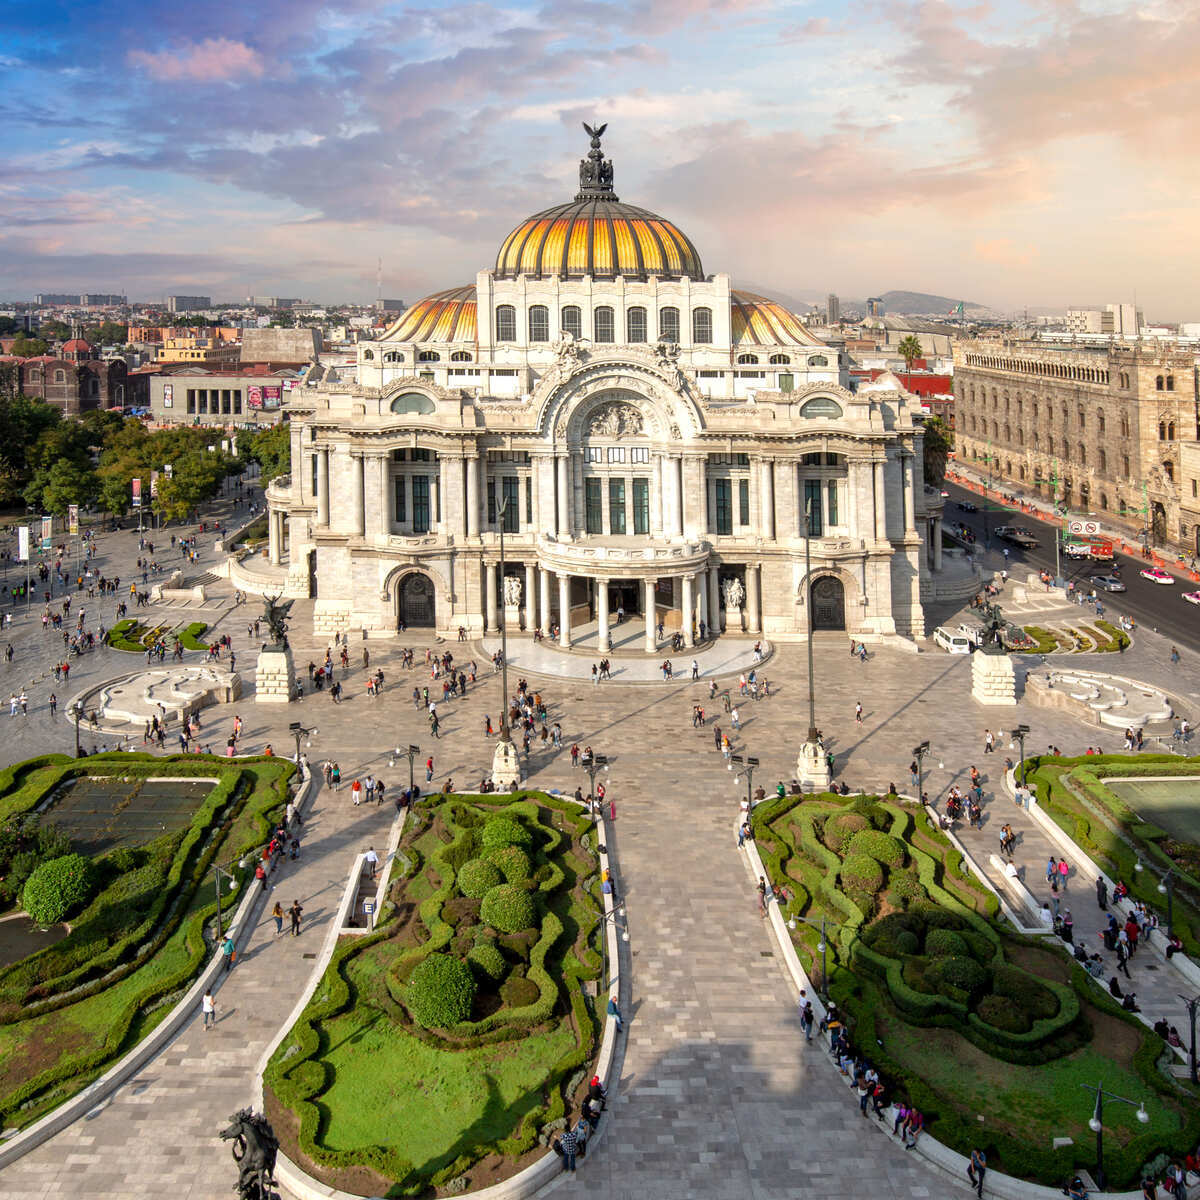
point(952, 643)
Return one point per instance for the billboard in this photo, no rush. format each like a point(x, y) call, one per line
point(254, 395)
point(135, 485)
point(168, 395)
point(272, 395)
point(73, 518)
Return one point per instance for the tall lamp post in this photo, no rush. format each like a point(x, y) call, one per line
point(506, 771)
point(411, 754)
point(1166, 887)
point(919, 753)
point(233, 887)
point(1191, 1006)
point(298, 731)
point(1019, 734)
point(747, 763)
point(597, 762)
point(812, 768)
point(77, 713)
point(821, 945)
point(1096, 1124)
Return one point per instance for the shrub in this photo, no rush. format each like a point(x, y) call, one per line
point(506, 831)
point(905, 885)
point(1003, 1013)
point(861, 874)
point(883, 936)
point(508, 908)
point(440, 992)
point(880, 846)
point(57, 887)
point(477, 877)
point(937, 918)
point(518, 992)
point(840, 829)
point(487, 961)
point(953, 976)
point(1028, 993)
point(942, 943)
point(513, 862)
point(906, 942)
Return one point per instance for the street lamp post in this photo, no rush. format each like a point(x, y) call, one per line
point(1167, 885)
point(1019, 734)
point(233, 886)
point(597, 762)
point(1191, 1006)
point(1096, 1124)
point(77, 713)
point(298, 731)
point(919, 753)
point(812, 766)
point(506, 772)
point(411, 753)
point(821, 945)
point(748, 763)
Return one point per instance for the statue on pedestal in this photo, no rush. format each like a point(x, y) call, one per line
point(735, 594)
point(276, 618)
point(255, 1148)
point(512, 591)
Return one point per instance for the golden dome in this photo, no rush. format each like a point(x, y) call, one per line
point(447, 316)
point(758, 321)
point(597, 235)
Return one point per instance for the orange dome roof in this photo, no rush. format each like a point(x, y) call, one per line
point(447, 316)
point(758, 321)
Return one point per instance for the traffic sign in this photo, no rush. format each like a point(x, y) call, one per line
point(1087, 528)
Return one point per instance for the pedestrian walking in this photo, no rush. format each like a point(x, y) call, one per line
point(229, 952)
point(989, 742)
point(277, 913)
point(858, 713)
point(806, 1020)
point(295, 912)
point(1063, 872)
point(429, 769)
point(371, 859)
point(1102, 894)
point(208, 1006)
point(695, 669)
point(976, 1170)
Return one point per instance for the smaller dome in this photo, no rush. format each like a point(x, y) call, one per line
point(447, 316)
point(758, 321)
point(77, 346)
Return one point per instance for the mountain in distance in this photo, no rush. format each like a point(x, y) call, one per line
point(896, 302)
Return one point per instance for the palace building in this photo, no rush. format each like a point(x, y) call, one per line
point(648, 438)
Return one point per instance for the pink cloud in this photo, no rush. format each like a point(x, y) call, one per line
point(213, 60)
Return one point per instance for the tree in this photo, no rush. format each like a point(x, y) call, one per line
point(910, 350)
point(59, 331)
point(107, 333)
point(65, 483)
point(27, 347)
point(937, 444)
point(270, 448)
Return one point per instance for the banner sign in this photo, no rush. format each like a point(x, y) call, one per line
point(23, 543)
point(73, 518)
point(254, 395)
point(168, 395)
point(136, 485)
point(153, 484)
point(272, 395)
point(47, 532)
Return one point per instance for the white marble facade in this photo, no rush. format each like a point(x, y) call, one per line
point(665, 477)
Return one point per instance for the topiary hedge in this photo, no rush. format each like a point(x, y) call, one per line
point(877, 845)
point(477, 877)
point(440, 992)
point(942, 943)
point(58, 888)
point(861, 874)
point(487, 961)
point(509, 908)
point(505, 831)
point(513, 862)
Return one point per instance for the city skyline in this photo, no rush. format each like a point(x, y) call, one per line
point(981, 150)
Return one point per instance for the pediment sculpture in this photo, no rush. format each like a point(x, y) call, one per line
point(616, 420)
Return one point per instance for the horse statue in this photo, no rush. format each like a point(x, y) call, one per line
point(254, 1149)
point(275, 615)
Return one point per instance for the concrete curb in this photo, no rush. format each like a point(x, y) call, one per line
point(146, 1050)
point(301, 1186)
point(940, 1157)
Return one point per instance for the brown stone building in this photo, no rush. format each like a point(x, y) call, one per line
point(1105, 427)
point(73, 380)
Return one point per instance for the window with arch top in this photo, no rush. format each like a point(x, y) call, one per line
point(429, 356)
point(702, 326)
point(393, 356)
point(635, 324)
point(460, 356)
point(668, 324)
point(572, 321)
point(368, 355)
point(506, 323)
point(539, 323)
point(781, 360)
point(818, 360)
point(1170, 383)
point(748, 359)
point(603, 324)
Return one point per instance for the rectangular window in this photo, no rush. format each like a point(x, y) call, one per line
point(313, 472)
point(226, 402)
point(786, 383)
point(616, 454)
point(603, 324)
point(237, 401)
point(529, 499)
point(616, 505)
point(191, 400)
point(420, 503)
point(639, 454)
point(202, 400)
point(812, 506)
point(831, 504)
point(596, 454)
point(723, 505)
point(668, 325)
point(491, 501)
point(510, 485)
point(592, 504)
point(641, 505)
point(401, 482)
point(743, 502)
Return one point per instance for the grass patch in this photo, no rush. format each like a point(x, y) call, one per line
point(1044, 642)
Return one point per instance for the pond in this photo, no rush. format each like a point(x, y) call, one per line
point(99, 814)
point(20, 937)
point(1170, 803)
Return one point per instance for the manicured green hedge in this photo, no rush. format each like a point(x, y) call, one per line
point(440, 992)
point(192, 636)
point(58, 887)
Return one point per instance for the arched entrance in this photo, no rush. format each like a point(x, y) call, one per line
point(828, 599)
point(1158, 530)
point(417, 601)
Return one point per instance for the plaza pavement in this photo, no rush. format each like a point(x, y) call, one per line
point(718, 1094)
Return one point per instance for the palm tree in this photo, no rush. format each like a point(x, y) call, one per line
point(910, 350)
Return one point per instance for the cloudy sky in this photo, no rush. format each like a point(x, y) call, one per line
point(1012, 152)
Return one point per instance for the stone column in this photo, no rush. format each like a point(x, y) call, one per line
point(322, 487)
point(603, 643)
point(656, 495)
point(385, 499)
point(544, 606)
point(675, 472)
point(689, 609)
point(702, 601)
point(473, 495)
point(490, 572)
point(768, 499)
point(564, 611)
point(753, 614)
point(564, 497)
point(442, 512)
point(531, 612)
point(910, 497)
point(358, 512)
point(937, 543)
point(881, 500)
point(648, 586)
point(273, 538)
point(714, 600)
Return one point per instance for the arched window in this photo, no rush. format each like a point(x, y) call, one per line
point(1082, 418)
point(368, 356)
point(539, 323)
point(1162, 431)
point(1008, 433)
point(1124, 427)
point(748, 359)
point(1050, 445)
point(635, 324)
point(1169, 470)
point(572, 321)
point(781, 360)
point(1170, 431)
point(1104, 501)
point(429, 356)
point(702, 325)
point(1158, 383)
point(1170, 383)
point(1103, 461)
point(668, 324)
point(393, 356)
point(1100, 419)
point(1036, 440)
point(506, 323)
point(1020, 435)
point(460, 356)
point(119, 393)
point(1082, 455)
point(1035, 410)
point(603, 325)
point(818, 360)
point(60, 376)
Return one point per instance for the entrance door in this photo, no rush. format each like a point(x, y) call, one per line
point(828, 603)
point(417, 601)
point(1159, 527)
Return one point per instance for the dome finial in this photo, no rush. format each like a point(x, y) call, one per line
point(595, 171)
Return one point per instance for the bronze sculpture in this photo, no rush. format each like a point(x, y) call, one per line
point(276, 617)
point(255, 1148)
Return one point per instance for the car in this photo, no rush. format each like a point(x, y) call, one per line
point(1108, 583)
point(1077, 550)
point(952, 643)
point(967, 506)
point(1157, 575)
point(1192, 597)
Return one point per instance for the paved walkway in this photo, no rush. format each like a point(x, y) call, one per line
point(718, 1095)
